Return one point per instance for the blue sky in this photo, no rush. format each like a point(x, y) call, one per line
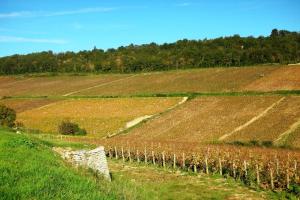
point(35, 25)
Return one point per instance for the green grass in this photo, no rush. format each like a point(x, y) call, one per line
point(30, 170)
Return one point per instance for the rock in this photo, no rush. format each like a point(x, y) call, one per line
point(94, 159)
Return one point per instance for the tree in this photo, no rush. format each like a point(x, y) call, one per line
point(7, 116)
point(68, 128)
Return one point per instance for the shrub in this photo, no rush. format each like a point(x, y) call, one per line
point(267, 143)
point(7, 116)
point(254, 143)
point(68, 128)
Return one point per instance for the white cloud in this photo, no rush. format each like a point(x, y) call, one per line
point(183, 4)
point(56, 13)
point(31, 40)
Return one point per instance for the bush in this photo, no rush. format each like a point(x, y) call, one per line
point(267, 143)
point(68, 128)
point(254, 143)
point(7, 116)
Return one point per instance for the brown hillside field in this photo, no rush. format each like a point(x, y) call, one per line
point(21, 105)
point(203, 119)
point(274, 123)
point(196, 80)
point(99, 117)
point(262, 78)
point(283, 78)
point(57, 85)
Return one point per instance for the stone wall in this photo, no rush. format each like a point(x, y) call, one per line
point(94, 159)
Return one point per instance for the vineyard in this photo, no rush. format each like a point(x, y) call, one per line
point(100, 117)
point(207, 119)
point(231, 79)
point(267, 168)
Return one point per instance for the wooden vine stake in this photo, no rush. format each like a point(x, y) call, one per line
point(234, 169)
point(272, 178)
point(287, 178)
point(129, 155)
point(138, 156)
point(153, 158)
point(116, 152)
point(245, 168)
point(174, 161)
point(110, 154)
point(163, 160)
point(206, 165)
point(183, 160)
point(295, 169)
point(220, 167)
point(257, 175)
point(145, 155)
point(122, 152)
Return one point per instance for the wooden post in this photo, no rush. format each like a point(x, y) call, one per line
point(257, 175)
point(153, 158)
point(287, 178)
point(295, 169)
point(272, 179)
point(195, 168)
point(183, 160)
point(174, 161)
point(277, 167)
point(245, 168)
point(110, 154)
point(129, 155)
point(206, 165)
point(220, 167)
point(163, 160)
point(123, 157)
point(116, 152)
point(137, 156)
point(234, 170)
point(145, 155)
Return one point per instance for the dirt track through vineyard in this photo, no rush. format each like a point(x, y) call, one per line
point(97, 86)
point(262, 114)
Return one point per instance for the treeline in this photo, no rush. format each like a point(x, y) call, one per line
point(280, 47)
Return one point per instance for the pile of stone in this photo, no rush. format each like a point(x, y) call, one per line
point(94, 159)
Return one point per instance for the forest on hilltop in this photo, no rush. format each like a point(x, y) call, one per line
point(280, 47)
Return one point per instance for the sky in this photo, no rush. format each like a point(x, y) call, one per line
point(28, 26)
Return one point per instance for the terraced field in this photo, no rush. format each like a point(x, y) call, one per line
point(204, 119)
point(275, 122)
point(267, 78)
point(100, 117)
point(207, 119)
point(56, 85)
point(21, 105)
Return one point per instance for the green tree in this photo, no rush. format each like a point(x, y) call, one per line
point(7, 116)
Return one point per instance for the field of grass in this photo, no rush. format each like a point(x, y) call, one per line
point(30, 170)
point(100, 117)
point(263, 78)
point(203, 119)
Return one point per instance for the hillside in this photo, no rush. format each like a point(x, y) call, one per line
point(44, 175)
point(264, 78)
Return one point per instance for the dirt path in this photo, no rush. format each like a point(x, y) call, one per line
point(100, 85)
point(262, 114)
point(141, 119)
point(282, 137)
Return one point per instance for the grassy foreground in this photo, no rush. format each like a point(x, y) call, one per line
point(30, 170)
